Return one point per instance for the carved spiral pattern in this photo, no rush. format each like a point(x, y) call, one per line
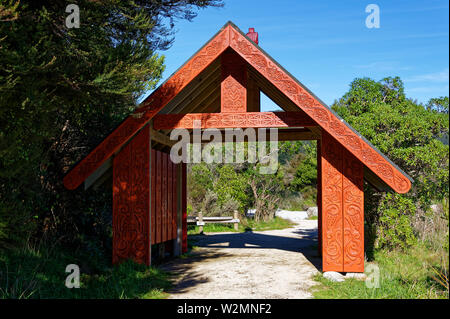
point(322, 115)
point(131, 206)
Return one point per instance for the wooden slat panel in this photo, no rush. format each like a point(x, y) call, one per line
point(158, 197)
point(153, 195)
point(353, 212)
point(332, 223)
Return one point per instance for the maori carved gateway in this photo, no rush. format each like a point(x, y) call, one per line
point(219, 87)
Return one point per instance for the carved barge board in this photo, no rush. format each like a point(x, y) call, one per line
point(231, 36)
point(152, 105)
point(131, 201)
point(318, 112)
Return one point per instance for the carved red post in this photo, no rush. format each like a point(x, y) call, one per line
point(342, 205)
point(131, 201)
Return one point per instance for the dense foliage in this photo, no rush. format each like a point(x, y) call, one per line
point(61, 91)
point(217, 189)
point(412, 136)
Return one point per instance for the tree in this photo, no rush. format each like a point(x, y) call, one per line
point(62, 89)
point(408, 133)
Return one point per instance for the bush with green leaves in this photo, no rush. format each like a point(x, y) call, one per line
point(62, 90)
point(410, 134)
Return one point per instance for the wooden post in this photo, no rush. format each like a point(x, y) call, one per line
point(131, 201)
point(200, 219)
point(342, 206)
point(236, 216)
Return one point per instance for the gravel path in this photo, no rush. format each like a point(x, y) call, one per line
point(266, 264)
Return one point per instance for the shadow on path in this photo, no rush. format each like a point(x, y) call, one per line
point(299, 240)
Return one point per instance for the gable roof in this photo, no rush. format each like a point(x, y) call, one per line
point(229, 36)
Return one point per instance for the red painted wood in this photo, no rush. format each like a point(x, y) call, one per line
point(233, 120)
point(233, 89)
point(131, 201)
point(253, 35)
point(153, 194)
point(353, 212)
point(342, 200)
point(169, 199)
point(163, 186)
point(332, 216)
point(174, 201)
point(184, 209)
point(318, 112)
point(158, 197)
point(148, 108)
point(231, 37)
point(319, 195)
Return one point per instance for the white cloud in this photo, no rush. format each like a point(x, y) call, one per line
point(441, 77)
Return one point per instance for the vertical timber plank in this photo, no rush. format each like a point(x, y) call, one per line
point(169, 198)
point(183, 209)
point(164, 196)
point(332, 208)
point(158, 197)
point(174, 201)
point(253, 96)
point(153, 195)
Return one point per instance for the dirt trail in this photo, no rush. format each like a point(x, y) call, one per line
point(267, 264)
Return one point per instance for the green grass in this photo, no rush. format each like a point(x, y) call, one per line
point(32, 273)
point(403, 275)
point(246, 224)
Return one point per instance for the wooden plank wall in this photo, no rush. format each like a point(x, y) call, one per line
point(163, 197)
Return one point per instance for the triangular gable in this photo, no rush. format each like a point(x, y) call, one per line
point(231, 36)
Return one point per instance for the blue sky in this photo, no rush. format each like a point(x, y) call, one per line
point(326, 44)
